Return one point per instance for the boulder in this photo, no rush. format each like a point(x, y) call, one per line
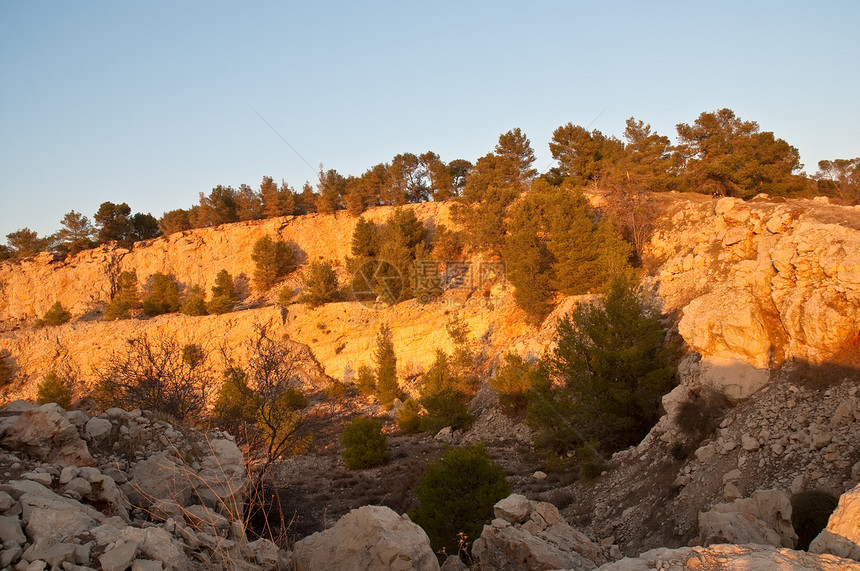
point(371, 538)
point(513, 509)
point(97, 428)
point(159, 477)
point(763, 518)
point(48, 515)
point(45, 433)
point(543, 541)
point(841, 537)
point(221, 483)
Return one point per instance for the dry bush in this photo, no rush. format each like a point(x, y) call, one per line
point(700, 416)
point(154, 374)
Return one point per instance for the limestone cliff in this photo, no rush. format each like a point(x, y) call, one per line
point(761, 281)
point(751, 284)
point(82, 283)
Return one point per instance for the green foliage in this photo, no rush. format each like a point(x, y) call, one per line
point(273, 260)
point(462, 360)
point(366, 381)
point(163, 296)
point(611, 366)
point(125, 299)
point(24, 243)
point(441, 396)
point(840, 179)
point(387, 388)
point(194, 303)
point(319, 284)
point(365, 445)
point(582, 155)
point(457, 495)
point(116, 224)
point(365, 244)
point(447, 244)
point(409, 417)
point(728, 156)
point(54, 389)
point(262, 405)
point(76, 233)
point(234, 406)
point(223, 294)
point(335, 391)
point(555, 244)
point(56, 315)
point(513, 381)
point(285, 296)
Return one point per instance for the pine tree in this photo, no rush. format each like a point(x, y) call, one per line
point(387, 388)
point(319, 284)
point(125, 299)
point(272, 261)
point(611, 367)
point(194, 303)
point(223, 294)
point(56, 315)
point(163, 296)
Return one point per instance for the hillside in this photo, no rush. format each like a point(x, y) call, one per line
point(765, 296)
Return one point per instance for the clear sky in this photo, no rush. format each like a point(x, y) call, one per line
point(151, 103)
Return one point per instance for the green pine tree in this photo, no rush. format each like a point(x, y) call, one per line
point(387, 388)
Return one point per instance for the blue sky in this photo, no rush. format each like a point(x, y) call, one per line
point(151, 103)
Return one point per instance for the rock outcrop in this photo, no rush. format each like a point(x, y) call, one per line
point(530, 535)
point(842, 535)
point(135, 491)
point(764, 518)
point(732, 557)
point(760, 282)
point(371, 537)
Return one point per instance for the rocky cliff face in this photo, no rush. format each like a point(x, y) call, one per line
point(761, 282)
point(751, 284)
point(82, 283)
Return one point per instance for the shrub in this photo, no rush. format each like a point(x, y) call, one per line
point(54, 389)
point(234, 406)
point(457, 495)
point(56, 315)
point(335, 391)
point(194, 303)
point(513, 381)
point(409, 417)
point(365, 445)
point(163, 296)
point(319, 284)
point(153, 373)
point(125, 299)
point(223, 294)
point(700, 416)
point(366, 381)
point(273, 260)
point(285, 296)
point(441, 396)
point(262, 405)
